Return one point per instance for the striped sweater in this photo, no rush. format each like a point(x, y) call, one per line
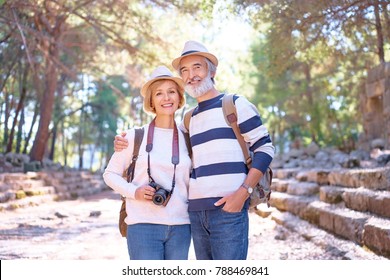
point(218, 162)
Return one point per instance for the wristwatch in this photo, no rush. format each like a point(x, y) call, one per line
point(249, 189)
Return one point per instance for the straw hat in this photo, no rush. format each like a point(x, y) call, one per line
point(194, 48)
point(161, 73)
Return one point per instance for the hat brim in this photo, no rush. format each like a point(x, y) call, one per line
point(178, 81)
point(211, 57)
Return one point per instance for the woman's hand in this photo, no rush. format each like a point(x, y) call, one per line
point(145, 193)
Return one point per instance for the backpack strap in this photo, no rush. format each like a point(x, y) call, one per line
point(187, 119)
point(138, 136)
point(230, 114)
point(186, 122)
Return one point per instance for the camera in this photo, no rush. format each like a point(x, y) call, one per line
point(161, 196)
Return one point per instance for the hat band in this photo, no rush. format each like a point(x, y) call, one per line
point(185, 53)
point(163, 76)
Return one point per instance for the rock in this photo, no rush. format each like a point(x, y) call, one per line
point(95, 213)
point(378, 143)
point(59, 215)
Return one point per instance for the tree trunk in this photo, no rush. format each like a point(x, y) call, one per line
point(47, 103)
point(387, 19)
point(53, 142)
point(80, 140)
point(23, 92)
point(57, 115)
point(6, 117)
point(64, 145)
point(19, 134)
point(379, 33)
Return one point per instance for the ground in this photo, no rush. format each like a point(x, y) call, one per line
point(86, 229)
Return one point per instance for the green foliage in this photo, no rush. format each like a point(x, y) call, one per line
point(312, 57)
point(305, 70)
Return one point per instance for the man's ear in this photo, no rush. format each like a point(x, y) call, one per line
point(212, 74)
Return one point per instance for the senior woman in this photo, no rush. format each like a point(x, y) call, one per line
point(156, 199)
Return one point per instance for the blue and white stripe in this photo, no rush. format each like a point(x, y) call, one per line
point(218, 162)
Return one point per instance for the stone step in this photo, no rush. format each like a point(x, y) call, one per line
point(4, 187)
point(341, 221)
point(26, 184)
point(350, 250)
point(285, 173)
point(373, 178)
point(376, 235)
point(10, 194)
point(331, 194)
point(319, 176)
point(364, 229)
point(360, 199)
point(12, 177)
point(295, 187)
point(77, 193)
point(279, 185)
point(27, 202)
point(298, 205)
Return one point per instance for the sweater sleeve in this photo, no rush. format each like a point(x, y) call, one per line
point(255, 134)
point(118, 163)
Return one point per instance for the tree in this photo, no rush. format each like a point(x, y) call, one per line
point(314, 56)
point(47, 24)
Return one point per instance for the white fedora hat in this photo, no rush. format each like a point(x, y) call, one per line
point(162, 73)
point(194, 48)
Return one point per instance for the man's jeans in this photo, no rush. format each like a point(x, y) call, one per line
point(219, 235)
point(158, 242)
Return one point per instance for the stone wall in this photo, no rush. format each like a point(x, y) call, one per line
point(353, 204)
point(34, 188)
point(375, 107)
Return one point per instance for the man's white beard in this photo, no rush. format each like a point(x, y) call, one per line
point(204, 86)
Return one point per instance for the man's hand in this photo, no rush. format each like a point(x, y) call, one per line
point(120, 142)
point(235, 201)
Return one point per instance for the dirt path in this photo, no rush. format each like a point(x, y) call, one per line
point(86, 229)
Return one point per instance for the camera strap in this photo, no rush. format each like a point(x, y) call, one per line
point(175, 150)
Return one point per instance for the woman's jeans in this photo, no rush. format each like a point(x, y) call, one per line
point(219, 235)
point(158, 242)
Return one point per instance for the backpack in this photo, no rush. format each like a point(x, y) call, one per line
point(262, 191)
point(129, 175)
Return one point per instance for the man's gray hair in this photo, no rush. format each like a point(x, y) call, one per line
point(211, 68)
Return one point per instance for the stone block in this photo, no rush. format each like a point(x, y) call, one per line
point(379, 203)
point(376, 236)
point(279, 201)
point(298, 204)
point(279, 185)
point(373, 178)
point(318, 176)
point(302, 188)
point(343, 222)
point(331, 194)
point(285, 173)
point(33, 166)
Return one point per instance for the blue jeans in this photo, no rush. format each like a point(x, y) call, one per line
point(158, 242)
point(219, 235)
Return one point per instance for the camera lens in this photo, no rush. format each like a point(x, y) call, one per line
point(159, 199)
